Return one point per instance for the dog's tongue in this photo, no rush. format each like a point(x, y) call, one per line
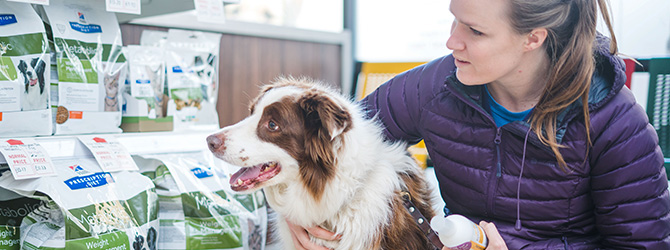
point(33, 82)
point(246, 174)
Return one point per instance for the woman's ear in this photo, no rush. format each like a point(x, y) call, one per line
point(535, 39)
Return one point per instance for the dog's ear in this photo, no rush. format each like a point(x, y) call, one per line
point(23, 66)
point(322, 113)
point(324, 120)
point(39, 66)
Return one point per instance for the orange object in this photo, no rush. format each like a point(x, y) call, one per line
point(76, 114)
point(374, 74)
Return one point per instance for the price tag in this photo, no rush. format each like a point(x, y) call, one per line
point(110, 154)
point(26, 158)
point(42, 2)
point(124, 6)
point(210, 11)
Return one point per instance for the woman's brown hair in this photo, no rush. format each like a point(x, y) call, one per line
point(571, 28)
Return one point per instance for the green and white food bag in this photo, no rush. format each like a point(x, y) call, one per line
point(192, 69)
point(87, 208)
point(89, 65)
point(24, 72)
point(197, 211)
point(13, 207)
point(146, 80)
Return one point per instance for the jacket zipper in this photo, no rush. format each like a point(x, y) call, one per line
point(492, 183)
point(498, 173)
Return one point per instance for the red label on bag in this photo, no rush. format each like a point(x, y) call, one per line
point(76, 114)
point(0, 116)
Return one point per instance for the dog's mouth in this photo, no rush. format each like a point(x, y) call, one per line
point(33, 82)
point(249, 177)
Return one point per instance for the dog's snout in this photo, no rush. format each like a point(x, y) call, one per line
point(215, 142)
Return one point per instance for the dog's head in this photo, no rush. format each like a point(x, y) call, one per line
point(292, 135)
point(33, 74)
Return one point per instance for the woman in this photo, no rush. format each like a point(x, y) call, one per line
point(533, 134)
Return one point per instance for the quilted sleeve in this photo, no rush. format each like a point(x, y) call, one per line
point(397, 103)
point(628, 180)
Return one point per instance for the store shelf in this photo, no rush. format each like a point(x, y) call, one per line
point(136, 143)
point(161, 7)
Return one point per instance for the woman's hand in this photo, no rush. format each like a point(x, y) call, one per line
point(301, 239)
point(496, 241)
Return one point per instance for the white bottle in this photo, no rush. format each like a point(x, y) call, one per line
point(457, 232)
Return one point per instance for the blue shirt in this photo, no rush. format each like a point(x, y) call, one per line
point(500, 114)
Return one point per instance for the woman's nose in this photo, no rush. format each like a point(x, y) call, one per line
point(454, 42)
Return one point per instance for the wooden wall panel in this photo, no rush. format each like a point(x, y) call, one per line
point(248, 62)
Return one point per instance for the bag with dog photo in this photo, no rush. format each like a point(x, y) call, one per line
point(85, 207)
point(24, 76)
point(89, 64)
point(197, 211)
point(146, 106)
point(193, 76)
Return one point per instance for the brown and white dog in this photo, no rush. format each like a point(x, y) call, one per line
point(320, 162)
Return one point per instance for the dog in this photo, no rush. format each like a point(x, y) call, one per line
point(35, 96)
point(320, 162)
point(111, 82)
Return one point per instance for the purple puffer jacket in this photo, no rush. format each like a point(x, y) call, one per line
point(615, 199)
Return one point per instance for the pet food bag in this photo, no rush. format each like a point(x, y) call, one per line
point(89, 65)
point(24, 72)
point(146, 107)
point(87, 208)
point(192, 69)
point(197, 211)
point(154, 38)
point(13, 207)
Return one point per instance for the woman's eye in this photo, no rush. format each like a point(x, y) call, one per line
point(476, 32)
point(273, 126)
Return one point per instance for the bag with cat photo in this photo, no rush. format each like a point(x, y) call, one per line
point(88, 64)
point(24, 72)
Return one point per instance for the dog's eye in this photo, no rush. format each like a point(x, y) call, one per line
point(273, 126)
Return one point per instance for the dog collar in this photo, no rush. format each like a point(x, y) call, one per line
point(421, 220)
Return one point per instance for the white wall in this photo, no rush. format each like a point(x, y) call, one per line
point(642, 27)
point(401, 31)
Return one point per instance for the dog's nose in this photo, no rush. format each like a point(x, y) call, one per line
point(215, 142)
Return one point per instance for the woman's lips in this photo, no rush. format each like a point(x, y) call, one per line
point(459, 62)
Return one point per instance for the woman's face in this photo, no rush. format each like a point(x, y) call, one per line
point(485, 47)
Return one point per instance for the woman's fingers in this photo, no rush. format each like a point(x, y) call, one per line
point(496, 241)
point(296, 241)
point(321, 233)
point(301, 239)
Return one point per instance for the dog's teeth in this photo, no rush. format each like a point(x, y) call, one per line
point(239, 182)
